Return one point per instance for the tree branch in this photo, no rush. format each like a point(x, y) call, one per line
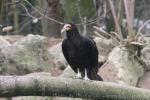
point(115, 19)
point(44, 85)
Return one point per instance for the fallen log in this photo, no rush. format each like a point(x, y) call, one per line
point(45, 85)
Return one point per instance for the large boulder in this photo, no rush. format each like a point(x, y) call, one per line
point(144, 81)
point(57, 56)
point(104, 46)
point(4, 42)
point(13, 38)
point(26, 55)
point(145, 55)
point(122, 67)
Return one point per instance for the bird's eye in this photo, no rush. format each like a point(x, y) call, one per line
point(69, 27)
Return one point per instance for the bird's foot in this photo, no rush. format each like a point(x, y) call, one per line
point(86, 78)
point(79, 76)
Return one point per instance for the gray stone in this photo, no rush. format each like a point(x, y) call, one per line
point(57, 56)
point(4, 42)
point(122, 67)
point(68, 73)
point(144, 81)
point(145, 55)
point(104, 46)
point(27, 55)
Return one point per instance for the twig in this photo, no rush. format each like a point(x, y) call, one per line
point(129, 10)
point(101, 30)
point(28, 12)
point(116, 35)
point(115, 19)
point(104, 32)
point(99, 35)
point(139, 30)
point(22, 27)
point(79, 12)
point(43, 14)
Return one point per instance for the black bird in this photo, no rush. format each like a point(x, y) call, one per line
point(81, 53)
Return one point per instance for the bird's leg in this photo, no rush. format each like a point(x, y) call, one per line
point(78, 73)
point(86, 77)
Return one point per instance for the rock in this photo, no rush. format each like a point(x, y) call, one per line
point(145, 55)
point(122, 67)
point(145, 52)
point(4, 42)
point(68, 73)
point(104, 46)
point(58, 57)
point(145, 81)
point(13, 38)
point(26, 55)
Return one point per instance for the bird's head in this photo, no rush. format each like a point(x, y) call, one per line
point(69, 30)
point(66, 28)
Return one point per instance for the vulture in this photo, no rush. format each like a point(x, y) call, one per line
point(81, 53)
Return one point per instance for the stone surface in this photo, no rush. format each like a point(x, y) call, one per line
point(144, 82)
point(57, 56)
point(4, 42)
point(145, 55)
point(26, 55)
point(68, 73)
point(122, 67)
point(104, 46)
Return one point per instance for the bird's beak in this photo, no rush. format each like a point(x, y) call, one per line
point(63, 30)
point(63, 33)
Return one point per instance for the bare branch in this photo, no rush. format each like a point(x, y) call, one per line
point(139, 30)
point(43, 14)
point(115, 19)
point(106, 35)
point(129, 10)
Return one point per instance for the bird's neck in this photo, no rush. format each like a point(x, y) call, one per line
point(72, 34)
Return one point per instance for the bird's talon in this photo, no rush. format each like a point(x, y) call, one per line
point(86, 78)
point(79, 76)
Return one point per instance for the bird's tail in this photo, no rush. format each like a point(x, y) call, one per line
point(94, 76)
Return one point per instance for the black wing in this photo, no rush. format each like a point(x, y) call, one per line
point(93, 53)
point(65, 51)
